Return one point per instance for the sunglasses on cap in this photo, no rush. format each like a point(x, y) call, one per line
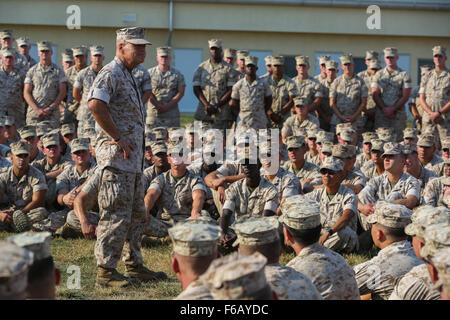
point(328, 171)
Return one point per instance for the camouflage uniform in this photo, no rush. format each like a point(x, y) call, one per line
point(20, 192)
point(308, 89)
point(426, 176)
point(251, 97)
point(69, 179)
point(214, 79)
point(142, 79)
point(361, 161)
point(12, 102)
point(21, 62)
point(368, 78)
point(290, 284)
point(434, 192)
point(196, 290)
point(165, 87)
point(308, 170)
point(390, 264)
point(348, 94)
point(294, 127)
point(281, 91)
point(195, 238)
point(121, 193)
point(437, 91)
point(45, 167)
point(328, 270)
point(355, 177)
point(415, 285)
point(176, 195)
point(379, 188)
point(84, 81)
point(71, 76)
point(325, 102)
point(286, 182)
point(346, 239)
point(45, 81)
point(391, 84)
point(245, 203)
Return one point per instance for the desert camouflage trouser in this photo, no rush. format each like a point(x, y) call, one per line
point(53, 222)
point(398, 123)
point(74, 222)
point(122, 218)
point(344, 241)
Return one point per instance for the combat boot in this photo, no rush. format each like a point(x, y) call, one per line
point(144, 274)
point(110, 278)
point(67, 232)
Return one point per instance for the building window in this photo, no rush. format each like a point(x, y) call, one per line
point(186, 61)
point(360, 64)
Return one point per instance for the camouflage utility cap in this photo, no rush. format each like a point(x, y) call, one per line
point(256, 231)
point(390, 215)
point(36, 242)
point(236, 276)
point(195, 238)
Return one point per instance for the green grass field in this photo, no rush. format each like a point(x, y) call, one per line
point(157, 256)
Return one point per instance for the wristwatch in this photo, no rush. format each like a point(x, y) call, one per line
point(52, 109)
point(330, 231)
point(116, 140)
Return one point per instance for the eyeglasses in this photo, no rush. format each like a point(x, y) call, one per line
point(312, 138)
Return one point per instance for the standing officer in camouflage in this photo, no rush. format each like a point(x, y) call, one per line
point(45, 88)
point(116, 104)
point(168, 87)
point(213, 81)
point(80, 55)
point(67, 59)
point(373, 65)
point(253, 97)
point(435, 95)
point(283, 92)
point(324, 110)
point(323, 68)
point(7, 40)
point(81, 88)
point(24, 46)
point(229, 56)
point(11, 94)
point(391, 88)
point(268, 61)
point(307, 88)
point(241, 55)
point(348, 97)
